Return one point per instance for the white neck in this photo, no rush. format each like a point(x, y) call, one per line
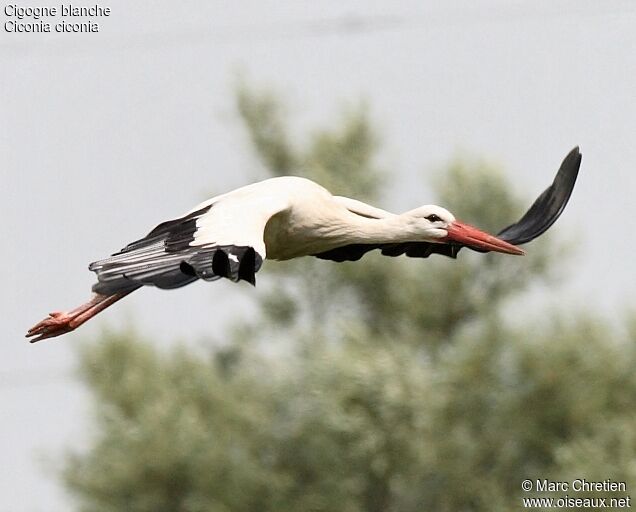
point(315, 232)
point(390, 229)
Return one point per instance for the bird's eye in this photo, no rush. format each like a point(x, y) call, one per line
point(432, 217)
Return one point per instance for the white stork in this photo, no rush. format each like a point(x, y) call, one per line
point(288, 217)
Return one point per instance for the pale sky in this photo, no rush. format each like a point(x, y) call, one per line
point(103, 136)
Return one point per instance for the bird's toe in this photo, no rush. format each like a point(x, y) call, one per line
point(55, 324)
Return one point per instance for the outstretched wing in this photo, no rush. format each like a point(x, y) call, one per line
point(354, 252)
point(537, 220)
point(220, 238)
point(548, 206)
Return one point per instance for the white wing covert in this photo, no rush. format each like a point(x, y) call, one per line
point(222, 237)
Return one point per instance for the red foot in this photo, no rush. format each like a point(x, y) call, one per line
point(57, 323)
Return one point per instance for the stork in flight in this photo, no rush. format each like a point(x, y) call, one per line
point(288, 217)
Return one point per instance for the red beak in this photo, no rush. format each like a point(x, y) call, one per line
point(473, 237)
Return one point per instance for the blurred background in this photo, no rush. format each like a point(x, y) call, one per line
point(382, 385)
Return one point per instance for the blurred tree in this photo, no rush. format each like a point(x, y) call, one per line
point(382, 385)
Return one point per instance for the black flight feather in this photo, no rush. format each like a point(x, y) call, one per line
point(166, 259)
point(548, 206)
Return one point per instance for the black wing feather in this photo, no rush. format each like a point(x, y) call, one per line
point(548, 206)
point(164, 258)
point(354, 252)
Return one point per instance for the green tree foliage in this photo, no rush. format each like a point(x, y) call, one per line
point(390, 384)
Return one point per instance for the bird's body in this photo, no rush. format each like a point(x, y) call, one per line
point(282, 218)
point(314, 221)
point(292, 217)
point(286, 217)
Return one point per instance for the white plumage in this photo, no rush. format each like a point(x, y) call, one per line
point(288, 217)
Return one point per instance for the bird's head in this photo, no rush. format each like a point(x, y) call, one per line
point(439, 225)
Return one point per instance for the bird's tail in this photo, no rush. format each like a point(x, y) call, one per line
point(59, 322)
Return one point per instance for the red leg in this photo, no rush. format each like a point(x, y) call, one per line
point(58, 322)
